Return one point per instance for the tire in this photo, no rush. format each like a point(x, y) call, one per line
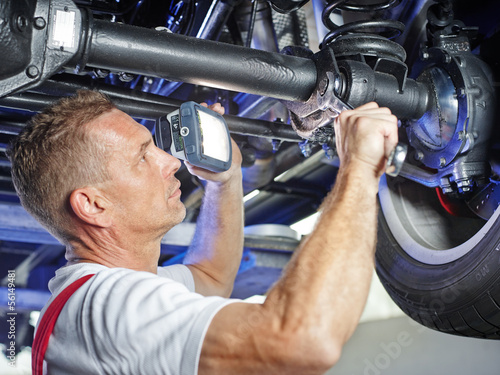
point(442, 271)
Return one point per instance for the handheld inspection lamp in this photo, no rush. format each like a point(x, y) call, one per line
point(196, 134)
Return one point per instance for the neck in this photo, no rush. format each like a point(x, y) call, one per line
point(106, 249)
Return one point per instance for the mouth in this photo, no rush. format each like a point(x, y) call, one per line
point(176, 192)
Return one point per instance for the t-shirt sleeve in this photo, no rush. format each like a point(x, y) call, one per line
point(139, 323)
point(179, 273)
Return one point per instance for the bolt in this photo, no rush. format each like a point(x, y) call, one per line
point(40, 23)
point(21, 22)
point(425, 55)
point(442, 162)
point(446, 189)
point(463, 183)
point(101, 73)
point(32, 71)
point(419, 155)
point(125, 77)
point(461, 92)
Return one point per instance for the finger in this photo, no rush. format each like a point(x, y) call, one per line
point(368, 109)
point(338, 132)
point(368, 105)
point(378, 110)
point(199, 172)
point(388, 127)
point(194, 168)
point(217, 107)
point(369, 112)
point(391, 141)
point(369, 117)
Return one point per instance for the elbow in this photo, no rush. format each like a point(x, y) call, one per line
point(321, 358)
point(328, 355)
point(310, 354)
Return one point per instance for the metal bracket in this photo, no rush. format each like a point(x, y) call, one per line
point(318, 110)
point(54, 28)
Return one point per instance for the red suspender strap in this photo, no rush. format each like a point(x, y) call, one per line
point(41, 340)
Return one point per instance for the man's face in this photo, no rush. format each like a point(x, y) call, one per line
point(144, 192)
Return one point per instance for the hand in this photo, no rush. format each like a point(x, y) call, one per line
point(366, 135)
point(222, 177)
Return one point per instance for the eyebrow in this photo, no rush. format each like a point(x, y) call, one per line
point(144, 146)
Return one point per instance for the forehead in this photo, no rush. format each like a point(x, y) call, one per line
point(117, 130)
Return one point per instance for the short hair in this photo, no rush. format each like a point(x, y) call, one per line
point(57, 153)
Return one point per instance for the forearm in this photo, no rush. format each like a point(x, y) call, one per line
point(215, 253)
point(310, 313)
point(326, 283)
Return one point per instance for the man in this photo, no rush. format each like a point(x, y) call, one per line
point(93, 177)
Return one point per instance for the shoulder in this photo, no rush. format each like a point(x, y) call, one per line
point(116, 277)
point(68, 274)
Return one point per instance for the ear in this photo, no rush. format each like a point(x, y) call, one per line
point(90, 206)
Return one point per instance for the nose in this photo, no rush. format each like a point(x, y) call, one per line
point(169, 164)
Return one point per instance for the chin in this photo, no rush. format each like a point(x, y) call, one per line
point(176, 214)
point(182, 213)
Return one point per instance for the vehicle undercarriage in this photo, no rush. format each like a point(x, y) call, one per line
point(433, 63)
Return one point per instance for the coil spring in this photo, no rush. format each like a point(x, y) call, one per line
point(391, 28)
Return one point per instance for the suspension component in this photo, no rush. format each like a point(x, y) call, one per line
point(387, 28)
point(356, 67)
point(454, 134)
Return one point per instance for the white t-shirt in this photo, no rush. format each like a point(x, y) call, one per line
point(129, 322)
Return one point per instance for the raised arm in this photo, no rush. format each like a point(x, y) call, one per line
point(215, 253)
point(312, 311)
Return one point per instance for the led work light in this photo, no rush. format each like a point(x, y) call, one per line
point(196, 134)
